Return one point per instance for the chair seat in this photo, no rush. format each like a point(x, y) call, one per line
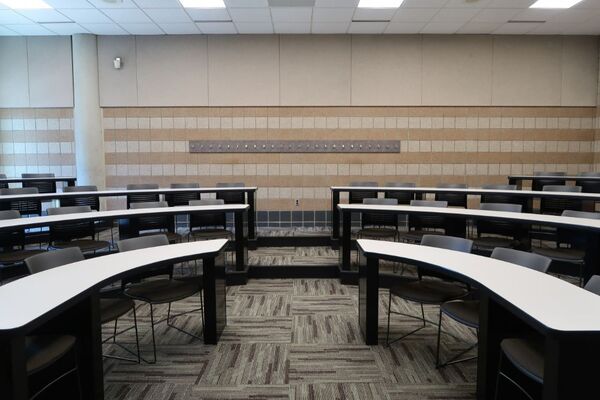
point(561, 254)
point(171, 236)
point(464, 311)
point(84, 244)
point(113, 308)
point(18, 256)
point(491, 242)
point(42, 351)
point(212, 234)
point(377, 232)
point(428, 291)
point(164, 290)
point(526, 355)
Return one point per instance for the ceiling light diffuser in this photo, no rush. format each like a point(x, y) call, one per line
point(25, 4)
point(379, 3)
point(202, 3)
point(554, 3)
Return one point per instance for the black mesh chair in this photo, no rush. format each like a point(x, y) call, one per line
point(501, 198)
point(419, 225)
point(492, 233)
point(142, 197)
point(428, 290)
point(358, 196)
point(231, 197)
point(111, 308)
point(466, 312)
point(526, 355)
point(379, 225)
point(25, 207)
point(554, 205)
point(183, 198)
point(402, 197)
point(88, 200)
point(43, 186)
point(75, 233)
point(161, 290)
point(3, 185)
point(206, 226)
point(554, 178)
point(12, 243)
point(453, 199)
point(588, 185)
point(151, 225)
point(570, 245)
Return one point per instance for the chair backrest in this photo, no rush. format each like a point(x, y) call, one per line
point(142, 197)
point(151, 222)
point(3, 185)
point(402, 197)
point(10, 239)
point(183, 198)
point(359, 196)
point(495, 226)
point(453, 199)
point(525, 259)
point(571, 236)
point(593, 285)
point(538, 184)
point(52, 259)
point(447, 242)
point(589, 185)
point(25, 207)
point(501, 198)
point(206, 220)
point(232, 197)
point(380, 218)
point(417, 222)
point(66, 231)
point(42, 185)
point(142, 242)
point(555, 206)
point(92, 201)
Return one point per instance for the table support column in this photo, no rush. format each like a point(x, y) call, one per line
point(368, 299)
point(335, 219)
point(215, 299)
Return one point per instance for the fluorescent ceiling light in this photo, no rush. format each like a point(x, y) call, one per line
point(379, 3)
point(554, 3)
point(202, 3)
point(25, 4)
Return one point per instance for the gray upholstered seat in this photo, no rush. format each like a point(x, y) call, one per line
point(77, 233)
point(379, 225)
point(209, 225)
point(420, 225)
point(42, 351)
point(496, 233)
point(12, 243)
point(151, 225)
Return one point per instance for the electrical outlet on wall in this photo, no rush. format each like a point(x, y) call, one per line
point(297, 203)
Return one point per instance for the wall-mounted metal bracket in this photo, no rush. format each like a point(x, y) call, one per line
point(294, 146)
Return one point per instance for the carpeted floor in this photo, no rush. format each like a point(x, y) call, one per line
point(291, 339)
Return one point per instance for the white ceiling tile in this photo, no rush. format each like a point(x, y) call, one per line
point(30, 29)
point(44, 15)
point(414, 14)
point(179, 28)
point(516, 29)
point(473, 27)
point(11, 17)
point(118, 4)
point(404, 27)
point(105, 29)
point(142, 29)
point(255, 14)
point(332, 14)
point(87, 16)
point(441, 27)
point(158, 3)
point(69, 4)
point(367, 27)
point(589, 4)
point(254, 27)
point(495, 15)
point(217, 27)
point(7, 32)
point(291, 27)
point(573, 16)
point(534, 14)
point(330, 27)
point(549, 28)
point(246, 3)
point(455, 14)
point(209, 14)
point(510, 3)
point(424, 3)
point(467, 4)
point(336, 3)
point(372, 14)
point(291, 14)
point(65, 29)
point(168, 15)
point(127, 16)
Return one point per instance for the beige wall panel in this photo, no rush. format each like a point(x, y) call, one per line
point(14, 82)
point(579, 71)
point(315, 70)
point(172, 70)
point(527, 71)
point(50, 71)
point(243, 70)
point(386, 70)
point(457, 70)
point(117, 87)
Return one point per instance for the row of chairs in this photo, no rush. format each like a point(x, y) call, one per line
point(43, 186)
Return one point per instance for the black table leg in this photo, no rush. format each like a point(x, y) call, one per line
point(592, 255)
point(215, 296)
point(368, 299)
point(252, 219)
point(335, 219)
point(13, 374)
point(86, 324)
point(345, 248)
point(241, 239)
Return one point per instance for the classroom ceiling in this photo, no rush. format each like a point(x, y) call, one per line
point(160, 17)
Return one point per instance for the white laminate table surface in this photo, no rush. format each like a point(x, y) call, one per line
point(26, 299)
point(554, 303)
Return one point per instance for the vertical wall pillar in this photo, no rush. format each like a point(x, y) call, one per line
point(87, 115)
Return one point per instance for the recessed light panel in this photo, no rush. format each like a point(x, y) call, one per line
point(25, 4)
point(554, 3)
point(379, 3)
point(202, 3)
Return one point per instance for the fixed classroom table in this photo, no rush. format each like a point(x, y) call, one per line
point(238, 210)
point(457, 217)
point(69, 180)
point(515, 302)
point(518, 179)
point(65, 300)
point(529, 195)
point(250, 198)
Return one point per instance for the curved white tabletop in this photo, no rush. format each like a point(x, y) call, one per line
point(47, 220)
point(550, 301)
point(29, 298)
